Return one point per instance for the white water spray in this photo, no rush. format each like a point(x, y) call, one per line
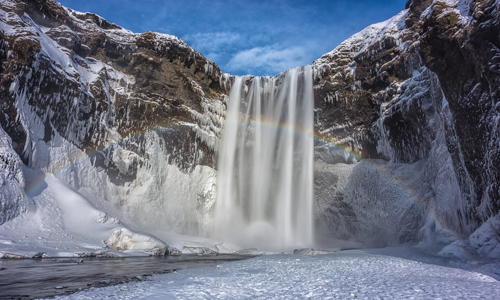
point(265, 181)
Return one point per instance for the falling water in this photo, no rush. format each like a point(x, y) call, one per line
point(265, 181)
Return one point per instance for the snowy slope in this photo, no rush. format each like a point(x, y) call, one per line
point(63, 223)
point(361, 42)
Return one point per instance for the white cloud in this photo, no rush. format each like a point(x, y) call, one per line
point(268, 60)
point(212, 41)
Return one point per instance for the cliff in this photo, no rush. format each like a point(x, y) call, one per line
point(418, 91)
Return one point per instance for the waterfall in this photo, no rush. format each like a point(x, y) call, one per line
point(265, 165)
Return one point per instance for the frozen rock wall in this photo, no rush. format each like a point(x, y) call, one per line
point(128, 120)
point(417, 92)
point(13, 200)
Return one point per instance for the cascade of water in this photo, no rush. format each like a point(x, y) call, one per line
point(265, 181)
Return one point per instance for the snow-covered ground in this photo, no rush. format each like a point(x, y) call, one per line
point(60, 222)
point(63, 223)
point(387, 273)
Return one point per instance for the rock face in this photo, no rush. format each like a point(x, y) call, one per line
point(461, 46)
point(108, 111)
point(135, 119)
point(13, 200)
point(115, 83)
point(421, 92)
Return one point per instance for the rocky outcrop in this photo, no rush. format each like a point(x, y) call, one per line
point(109, 111)
point(123, 239)
point(419, 91)
point(95, 83)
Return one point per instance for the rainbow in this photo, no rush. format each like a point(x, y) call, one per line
point(37, 183)
point(318, 137)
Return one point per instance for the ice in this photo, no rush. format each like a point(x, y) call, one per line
point(13, 201)
point(123, 239)
point(390, 273)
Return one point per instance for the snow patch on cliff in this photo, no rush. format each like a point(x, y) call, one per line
point(458, 7)
point(366, 38)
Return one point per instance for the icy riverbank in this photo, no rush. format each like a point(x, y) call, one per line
point(31, 279)
point(390, 273)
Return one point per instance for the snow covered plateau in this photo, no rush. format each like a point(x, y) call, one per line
point(109, 144)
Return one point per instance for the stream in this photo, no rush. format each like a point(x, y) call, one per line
point(48, 277)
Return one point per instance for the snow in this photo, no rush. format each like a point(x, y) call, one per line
point(90, 71)
point(363, 40)
point(63, 223)
point(485, 240)
point(390, 273)
point(124, 239)
point(77, 211)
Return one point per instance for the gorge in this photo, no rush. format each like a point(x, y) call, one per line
point(395, 135)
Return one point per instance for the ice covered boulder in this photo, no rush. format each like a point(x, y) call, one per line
point(486, 239)
point(198, 250)
point(458, 249)
point(124, 239)
point(309, 251)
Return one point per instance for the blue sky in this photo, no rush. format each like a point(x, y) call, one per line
point(259, 37)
